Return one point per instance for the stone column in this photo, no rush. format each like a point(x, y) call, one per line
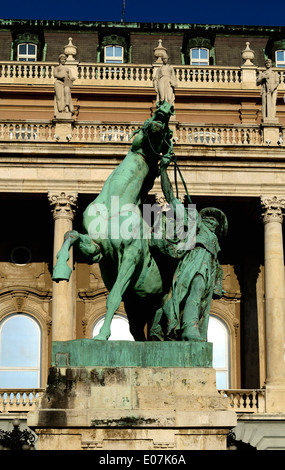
point(63, 322)
point(274, 302)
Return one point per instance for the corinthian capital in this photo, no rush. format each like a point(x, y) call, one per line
point(273, 208)
point(63, 205)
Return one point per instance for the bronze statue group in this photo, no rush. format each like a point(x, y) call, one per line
point(131, 266)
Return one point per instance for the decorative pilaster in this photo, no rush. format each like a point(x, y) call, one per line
point(274, 299)
point(63, 322)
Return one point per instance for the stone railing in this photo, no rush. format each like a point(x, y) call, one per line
point(246, 401)
point(115, 74)
point(18, 400)
point(92, 132)
point(107, 133)
point(38, 73)
point(131, 75)
point(190, 76)
point(27, 131)
point(219, 135)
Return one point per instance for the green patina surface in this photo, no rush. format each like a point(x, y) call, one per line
point(87, 352)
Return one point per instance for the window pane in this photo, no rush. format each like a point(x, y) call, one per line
point(221, 380)
point(118, 51)
point(195, 53)
point(203, 54)
point(31, 49)
point(109, 51)
point(22, 48)
point(19, 343)
point(19, 379)
point(280, 58)
point(216, 335)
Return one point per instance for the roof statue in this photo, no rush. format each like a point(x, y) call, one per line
point(269, 81)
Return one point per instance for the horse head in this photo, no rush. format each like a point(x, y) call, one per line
point(163, 112)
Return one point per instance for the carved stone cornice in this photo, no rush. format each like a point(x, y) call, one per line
point(63, 205)
point(273, 209)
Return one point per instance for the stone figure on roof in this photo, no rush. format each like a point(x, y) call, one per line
point(64, 82)
point(165, 82)
point(269, 81)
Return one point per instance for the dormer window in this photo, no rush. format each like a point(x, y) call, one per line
point(199, 56)
point(113, 48)
point(198, 50)
point(27, 52)
point(280, 58)
point(113, 54)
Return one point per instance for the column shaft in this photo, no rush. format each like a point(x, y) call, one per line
point(274, 289)
point(63, 300)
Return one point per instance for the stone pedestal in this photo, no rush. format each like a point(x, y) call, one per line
point(64, 127)
point(141, 405)
point(271, 131)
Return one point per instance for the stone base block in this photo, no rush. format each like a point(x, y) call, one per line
point(130, 439)
point(64, 127)
point(133, 408)
point(271, 132)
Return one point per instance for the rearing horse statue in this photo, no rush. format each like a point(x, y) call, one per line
point(128, 269)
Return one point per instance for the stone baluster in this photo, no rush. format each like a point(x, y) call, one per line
point(274, 300)
point(63, 322)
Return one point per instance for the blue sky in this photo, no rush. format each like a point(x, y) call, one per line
point(239, 12)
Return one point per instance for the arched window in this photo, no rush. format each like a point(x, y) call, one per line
point(119, 328)
point(20, 352)
point(280, 58)
point(113, 54)
point(27, 52)
point(218, 334)
point(199, 56)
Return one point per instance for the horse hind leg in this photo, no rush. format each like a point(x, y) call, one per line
point(85, 245)
point(61, 270)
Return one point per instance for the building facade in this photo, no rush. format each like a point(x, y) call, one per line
point(230, 154)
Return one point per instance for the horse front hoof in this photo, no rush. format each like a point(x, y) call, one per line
point(101, 337)
point(61, 273)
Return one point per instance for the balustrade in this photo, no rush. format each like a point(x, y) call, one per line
point(219, 135)
point(101, 74)
point(41, 73)
point(108, 133)
point(12, 400)
point(115, 133)
point(246, 401)
point(27, 72)
point(27, 131)
point(190, 75)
